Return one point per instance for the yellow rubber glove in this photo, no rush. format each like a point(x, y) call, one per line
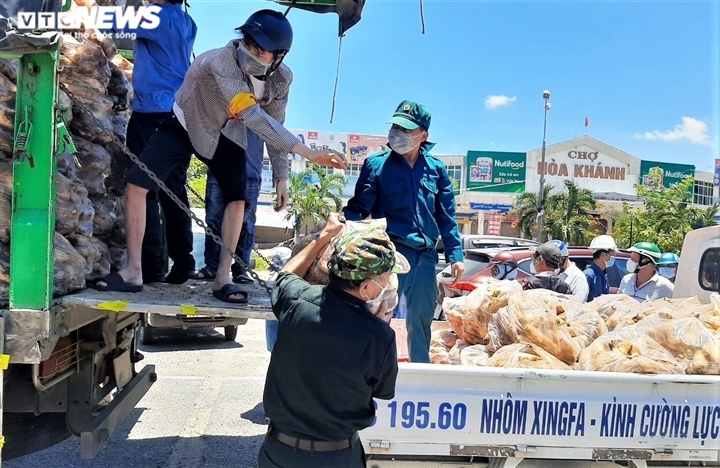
point(240, 103)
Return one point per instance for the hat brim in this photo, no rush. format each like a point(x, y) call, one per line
point(401, 266)
point(404, 123)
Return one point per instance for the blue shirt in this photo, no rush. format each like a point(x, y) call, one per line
point(597, 281)
point(254, 155)
point(418, 202)
point(162, 58)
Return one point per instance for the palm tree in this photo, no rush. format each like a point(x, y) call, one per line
point(310, 202)
point(569, 215)
point(528, 208)
point(706, 217)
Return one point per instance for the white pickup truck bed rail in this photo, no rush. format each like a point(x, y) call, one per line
point(463, 412)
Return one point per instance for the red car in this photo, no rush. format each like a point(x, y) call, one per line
point(477, 261)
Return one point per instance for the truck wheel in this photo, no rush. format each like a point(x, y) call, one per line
point(26, 433)
point(231, 332)
point(147, 334)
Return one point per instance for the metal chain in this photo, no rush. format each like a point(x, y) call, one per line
point(271, 265)
point(88, 114)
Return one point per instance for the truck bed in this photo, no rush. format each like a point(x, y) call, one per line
point(465, 412)
point(192, 298)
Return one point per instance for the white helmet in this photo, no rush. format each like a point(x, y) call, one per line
point(603, 242)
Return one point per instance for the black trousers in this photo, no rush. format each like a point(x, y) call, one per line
point(141, 127)
point(275, 454)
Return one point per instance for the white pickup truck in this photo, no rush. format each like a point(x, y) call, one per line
point(459, 416)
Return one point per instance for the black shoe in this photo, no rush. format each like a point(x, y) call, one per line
point(153, 278)
point(179, 275)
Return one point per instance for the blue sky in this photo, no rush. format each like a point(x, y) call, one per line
point(645, 73)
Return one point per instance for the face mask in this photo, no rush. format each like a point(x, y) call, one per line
point(532, 267)
point(667, 272)
point(610, 262)
point(385, 303)
point(249, 64)
point(401, 142)
point(631, 266)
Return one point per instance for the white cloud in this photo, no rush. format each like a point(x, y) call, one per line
point(493, 102)
point(693, 130)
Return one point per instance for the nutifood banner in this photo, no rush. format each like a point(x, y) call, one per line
point(495, 171)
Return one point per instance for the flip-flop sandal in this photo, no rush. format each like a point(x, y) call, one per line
point(228, 290)
point(115, 282)
point(204, 275)
point(242, 278)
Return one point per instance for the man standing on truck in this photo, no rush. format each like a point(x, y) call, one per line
point(332, 355)
point(213, 108)
point(411, 189)
point(605, 248)
point(571, 274)
point(643, 282)
point(161, 60)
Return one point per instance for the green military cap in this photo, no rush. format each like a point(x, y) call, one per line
point(411, 115)
point(365, 254)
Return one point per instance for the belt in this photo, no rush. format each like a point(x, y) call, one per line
point(313, 445)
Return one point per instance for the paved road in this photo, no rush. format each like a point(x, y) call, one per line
point(205, 410)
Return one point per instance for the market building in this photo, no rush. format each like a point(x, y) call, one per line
point(490, 182)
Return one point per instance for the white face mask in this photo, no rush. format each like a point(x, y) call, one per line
point(249, 64)
point(384, 304)
point(401, 142)
point(667, 272)
point(532, 267)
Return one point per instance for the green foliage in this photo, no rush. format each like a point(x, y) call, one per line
point(666, 218)
point(260, 264)
point(197, 180)
point(310, 202)
point(569, 215)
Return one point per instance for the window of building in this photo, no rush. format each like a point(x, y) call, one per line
point(455, 172)
point(703, 193)
point(353, 170)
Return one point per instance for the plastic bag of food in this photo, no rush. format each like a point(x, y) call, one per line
point(608, 304)
point(69, 274)
point(583, 323)
point(480, 306)
point(532, 317)
point(626, 350)
point(705, 361)
point(683, 337)
point(441, 341)
point(453, 309)
point(454, 353)
point(474, 355)
point(525, 355)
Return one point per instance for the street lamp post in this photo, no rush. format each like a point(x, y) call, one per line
point(541, 198)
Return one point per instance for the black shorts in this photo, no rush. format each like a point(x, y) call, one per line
point(170, 146)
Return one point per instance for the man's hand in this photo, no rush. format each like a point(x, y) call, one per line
point(333, 225)
point(457, 270)
point(328, 158)
point(282, 194)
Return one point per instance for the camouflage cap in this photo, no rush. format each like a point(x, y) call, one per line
point(365, 254)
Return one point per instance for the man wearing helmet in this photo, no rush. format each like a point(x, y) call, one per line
point(571, 274)
point(605, 248)
point(643, 282)
point(213, 109)
point(503, 266)
point(667, 266)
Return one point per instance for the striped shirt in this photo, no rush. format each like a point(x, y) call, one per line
point(213, 80)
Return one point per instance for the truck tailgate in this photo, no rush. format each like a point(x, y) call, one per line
point(462, 411)
point(192, 298)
